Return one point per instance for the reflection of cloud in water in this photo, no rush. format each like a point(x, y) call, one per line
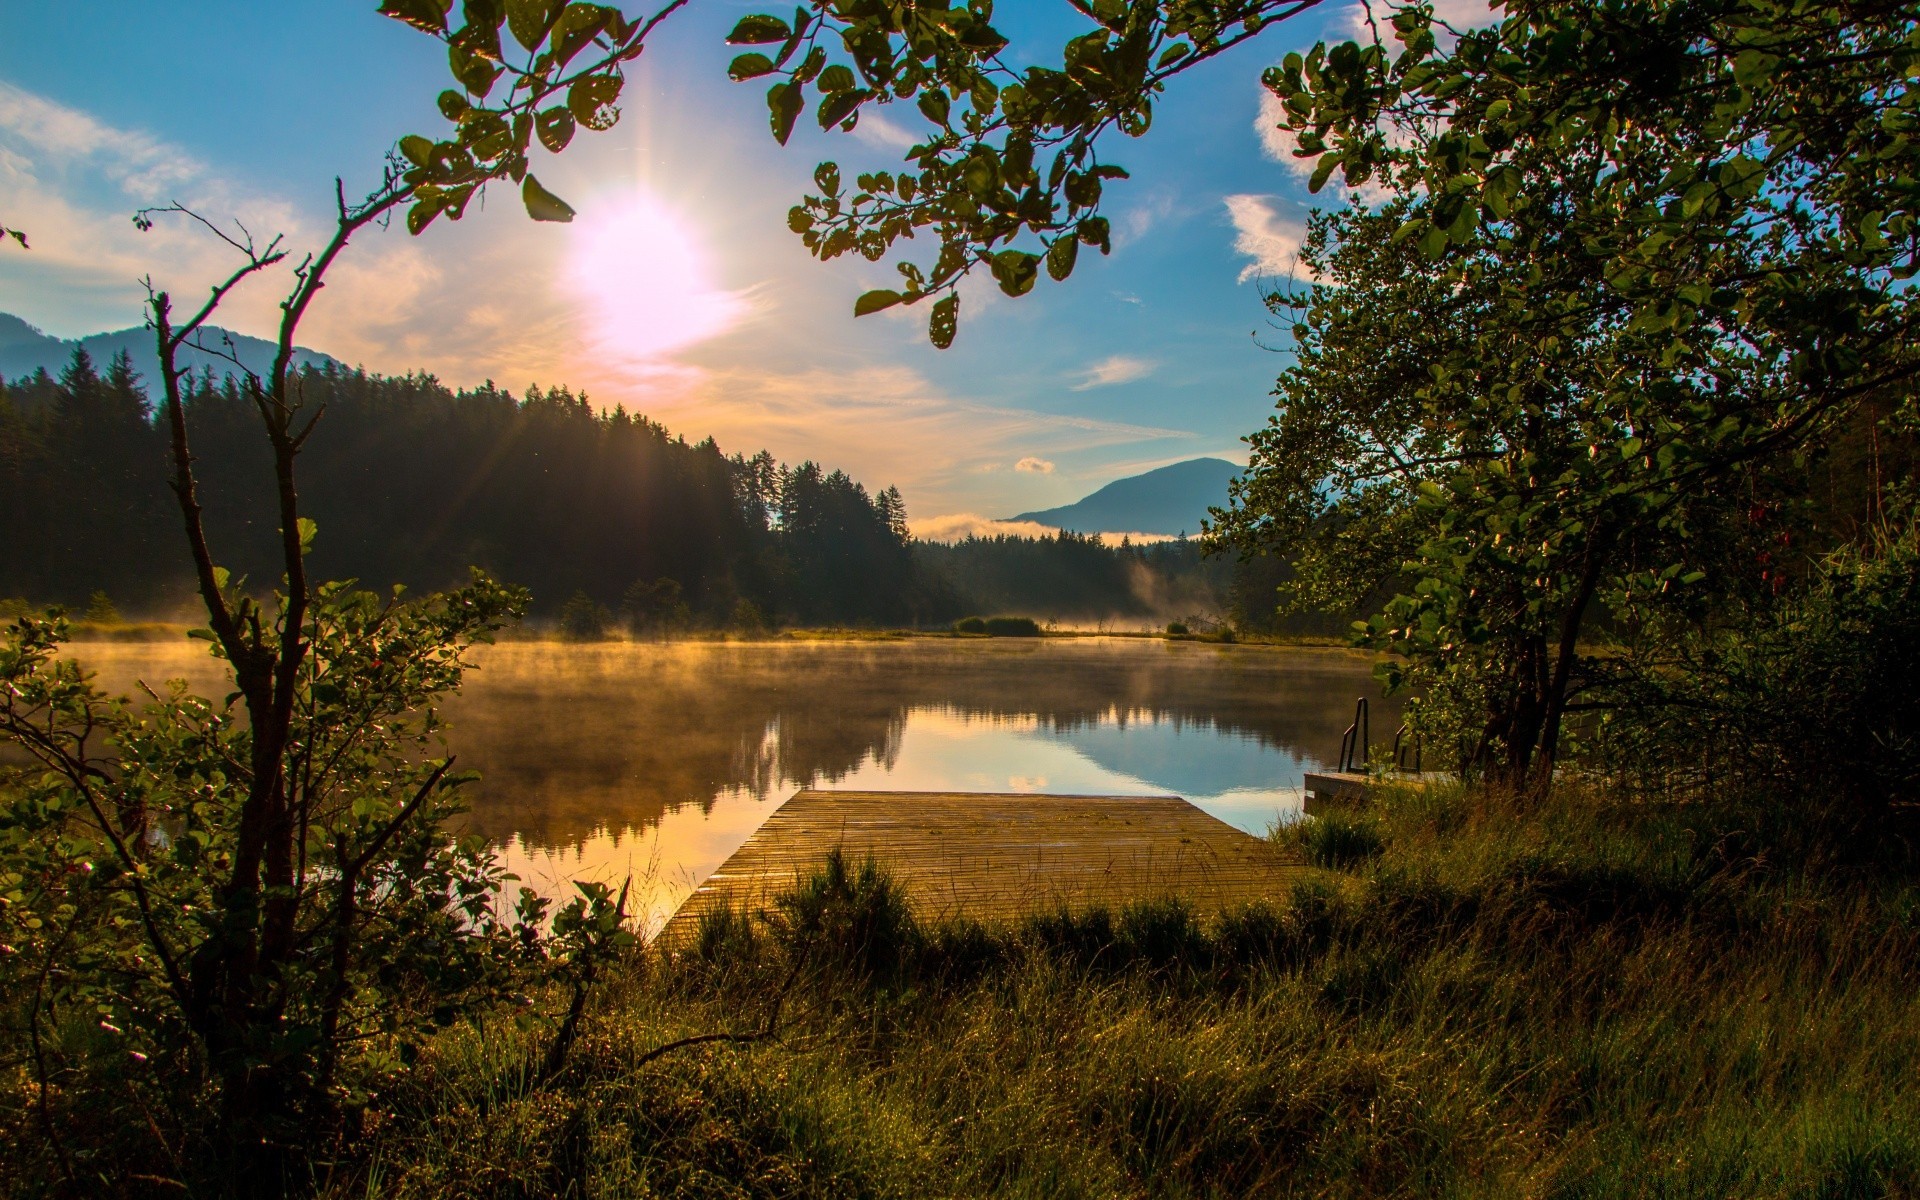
point(659, 760)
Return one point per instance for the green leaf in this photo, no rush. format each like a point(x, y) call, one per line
point(838, 107)
point(418, 150)
point(1061, 256)
point(1323, 170)
point(784, 101)
point(759, 29)
point(945, 321)
point(308, 530)
point(874, 301)
point(837, 78)
point(750, 65)
point(475, 73)
point(529, 20)
point(591, 101)
point(543, 205)
point(1015, 271)
point(422, 214)
point(453, 105)
point(555, 127)
point(578, 25)
point(428, 16)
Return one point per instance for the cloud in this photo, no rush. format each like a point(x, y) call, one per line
point(957, 527)
point(1271, 241)
point(1034, 466)
point(1461, 14)
point(145, 168)
point(1117, 368)
point(882, 424)
point(882, 132)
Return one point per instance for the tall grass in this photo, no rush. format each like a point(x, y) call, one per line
point(1591, 998)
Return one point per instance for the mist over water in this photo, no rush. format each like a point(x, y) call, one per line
point(657, 760)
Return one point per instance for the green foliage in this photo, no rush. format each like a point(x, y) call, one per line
point(1587, 330)
point(1811, 698)
point(849, 918)
point(1007, 174)
point(1012, 627)
point(576, 499)
point(124, 853)
point(1178, 629)
point(1334, 840)
point(1586, 997)
point(101, 610)
point(584, 619)
point(970, 625)
point(563, 66)
point(747, 617)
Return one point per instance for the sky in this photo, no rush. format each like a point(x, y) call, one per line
point(678, 291)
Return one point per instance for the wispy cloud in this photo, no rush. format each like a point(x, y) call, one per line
point(1117, 368)
point(883, 424)
point(1270, 241)
point(145, 168)
point(1034, 466)
point(883, 132)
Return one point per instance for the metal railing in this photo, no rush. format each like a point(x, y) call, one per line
point(1355, 741)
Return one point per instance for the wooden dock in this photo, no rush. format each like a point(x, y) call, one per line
point(993, 857)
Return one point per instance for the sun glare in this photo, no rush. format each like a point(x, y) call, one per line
point(639, 270)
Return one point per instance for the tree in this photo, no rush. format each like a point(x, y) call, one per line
point(277, 863)
point(1009, 176)
point(1656, 255)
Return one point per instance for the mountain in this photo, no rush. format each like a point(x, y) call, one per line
point(24, 350)
point(1169, 500)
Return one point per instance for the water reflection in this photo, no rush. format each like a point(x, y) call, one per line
point(657, 761)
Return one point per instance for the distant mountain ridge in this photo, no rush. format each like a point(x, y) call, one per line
point(24, 349)
point(1168, 500)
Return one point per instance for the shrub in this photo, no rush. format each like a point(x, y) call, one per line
point(970, 625)
point(851, 918)
point(1335, 840)
point(1012, 627)
point(1178, 628)
point(101, 610)
point(1814, 697)
point(584, 619)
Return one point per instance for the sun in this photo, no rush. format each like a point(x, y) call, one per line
point(644, 279)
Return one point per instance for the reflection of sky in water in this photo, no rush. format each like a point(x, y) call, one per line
point(656, 761)
point(1227, 774)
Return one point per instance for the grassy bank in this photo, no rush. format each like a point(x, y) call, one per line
point(1593, 998)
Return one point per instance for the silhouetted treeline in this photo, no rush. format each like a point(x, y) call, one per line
point(412, 482)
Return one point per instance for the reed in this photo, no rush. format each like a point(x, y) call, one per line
point(1594, 996)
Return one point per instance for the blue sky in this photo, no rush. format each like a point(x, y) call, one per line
point(679, 291)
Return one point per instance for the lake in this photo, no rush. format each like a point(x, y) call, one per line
point(657, 760)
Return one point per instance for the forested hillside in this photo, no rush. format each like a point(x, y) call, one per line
point(410, 481)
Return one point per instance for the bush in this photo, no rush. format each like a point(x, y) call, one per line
point(1178, 628)
point(584, 619)
point(970, 625)
point(849, 918)
point(1334, 840)
point(101, 610)
point(1012, 627)
point(1813, 698)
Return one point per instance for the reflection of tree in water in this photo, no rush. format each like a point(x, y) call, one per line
point(578, 739)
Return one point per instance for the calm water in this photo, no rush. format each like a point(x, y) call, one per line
point(658, 761)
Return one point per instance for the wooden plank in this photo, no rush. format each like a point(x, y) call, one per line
point(995, 856)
